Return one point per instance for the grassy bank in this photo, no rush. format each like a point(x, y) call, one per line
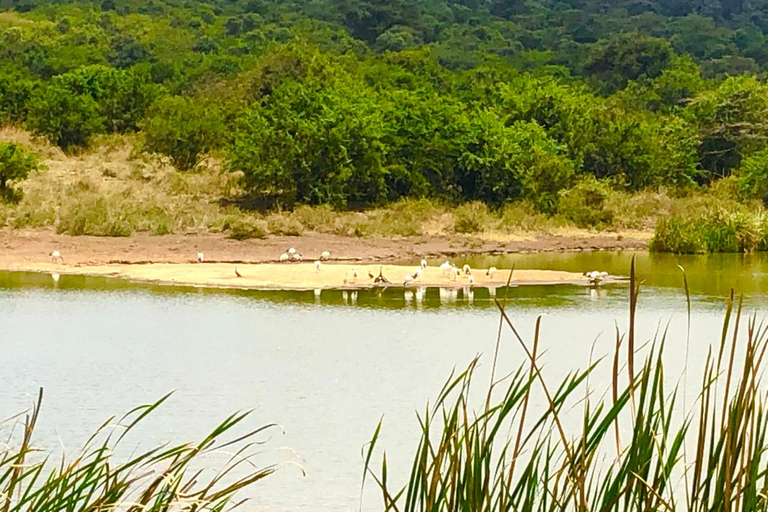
point(113, 189)
point(633, 447)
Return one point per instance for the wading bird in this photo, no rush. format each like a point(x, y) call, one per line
point(284, 257)
point(595, 277)
point(200, 257)
point(407, 279)
point(237, 274)
point(291, 251)
point(490, 272)
point(466, 269)
point(317, 265)
point(423, 264)
point(446, 269)
point(370, 275)
point(325, 255)
point(296, 256)
point(56, 257)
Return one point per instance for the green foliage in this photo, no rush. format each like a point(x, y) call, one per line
point(752, 176)
point(123, 96)
point(15, 164)
point(183, 130)
point(67, 120)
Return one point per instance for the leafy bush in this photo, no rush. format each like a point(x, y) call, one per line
point(96, 215)
point(184, 130)
point(752, 176)
point(471, 218)
point(586, 203)
point(15, 164)
point(67, 120)
point(246, 228)
point(123, 96)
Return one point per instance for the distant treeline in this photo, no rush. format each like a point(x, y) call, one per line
point(356, 103)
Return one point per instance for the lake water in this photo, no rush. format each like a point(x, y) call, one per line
point(326, 369)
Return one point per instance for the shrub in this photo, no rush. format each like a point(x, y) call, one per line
point(752, 176)
point(96, 215)
point(183, 130)
point(316, 218)
point(65, 119)
point(15, 164)
point(246, 228)
point(719, 230)
point(284, 224)
point(586, 203)
point(471, 218)
point(352, 224)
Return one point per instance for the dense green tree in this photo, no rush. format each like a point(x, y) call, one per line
point(183, 130)
point(66, 119)
point(15, 164)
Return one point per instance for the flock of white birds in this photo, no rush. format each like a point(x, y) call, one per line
point(449, 270)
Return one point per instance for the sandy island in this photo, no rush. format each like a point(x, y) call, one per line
point(299, 276)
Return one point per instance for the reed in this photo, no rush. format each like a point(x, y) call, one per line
point(635, 449)
point(161, 479)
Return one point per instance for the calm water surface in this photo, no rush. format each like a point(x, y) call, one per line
point(325, 369)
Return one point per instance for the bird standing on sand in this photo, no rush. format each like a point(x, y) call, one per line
point(296, 256)
point(423, 264)
point(466, 269)
point(370, 275)
point(237, 274)
point(200, 257)
point(490, 272)
point(471, 279)
point(446, 269)
point(284, 257)
point(56, 257)
point(325, 255)
point(380, 278)
point(408, 278)
point(354, 274)
point(317, 266)
point(291, 251)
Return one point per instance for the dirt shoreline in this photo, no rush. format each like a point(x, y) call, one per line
point(20, 248)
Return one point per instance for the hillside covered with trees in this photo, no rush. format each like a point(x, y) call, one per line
point(358, 103)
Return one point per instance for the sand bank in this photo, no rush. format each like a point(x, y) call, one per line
point(295, 276)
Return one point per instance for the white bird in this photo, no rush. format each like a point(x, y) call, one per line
point(408, 278)
point(595, 277)
point(284, 257)
point(200, 257)
point(56, 256)
point(490, 272)
point(317, 265)
point(418, 273)
point(423, 264)
point(291, 251)
point(296, 256)
point(471, 279)
point(466, 269)
point(325, 255)
point(446, 269)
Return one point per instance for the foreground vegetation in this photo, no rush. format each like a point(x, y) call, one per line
point(361, 104)
point(168, 477)
point(644, 447)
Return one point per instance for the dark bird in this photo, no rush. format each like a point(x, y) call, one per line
point(237, 273)
point(370, 275)
point(381, 278)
